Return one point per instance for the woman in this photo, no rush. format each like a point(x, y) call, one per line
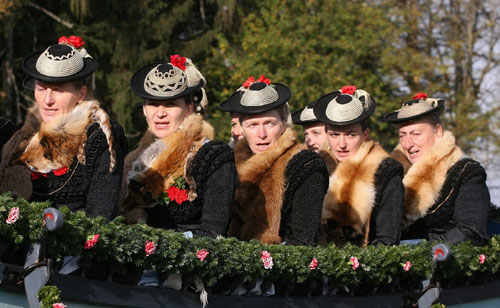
point(281, 186)
point(446, 197)
point(71, 153)
point(314, 130)
point(364, 202)
point(177, 178)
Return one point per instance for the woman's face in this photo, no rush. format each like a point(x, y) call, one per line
point(164, 117)
point(236, 128)
point(315, 135)
point(55, 99)
point(418, 137)
point(345, 140)
point(262, 130)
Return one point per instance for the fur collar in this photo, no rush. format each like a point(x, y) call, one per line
point(351, 194)
point(424, 179)
point(58, 142)
point(157, 162)
point(259, 196)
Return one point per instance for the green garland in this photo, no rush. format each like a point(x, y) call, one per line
point(123, 246)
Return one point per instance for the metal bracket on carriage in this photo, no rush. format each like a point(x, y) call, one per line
point(36, 267)
point(52, 219)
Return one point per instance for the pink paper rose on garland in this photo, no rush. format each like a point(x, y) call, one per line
point(13, 215)
point(202, 254)
point(407, 266)
point(482, 258)
point(314, 264)
point(91, 241)
point(59, 305)
point(355, 263)
point(266, 259)
point(150, 248)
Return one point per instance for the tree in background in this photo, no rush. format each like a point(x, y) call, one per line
point(391, 48)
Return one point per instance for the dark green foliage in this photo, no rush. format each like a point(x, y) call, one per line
point(123, 247)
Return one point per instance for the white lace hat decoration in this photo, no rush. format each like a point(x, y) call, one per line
point(63, 62)
point(419, 106)
point(345, 107)
point(169, 81)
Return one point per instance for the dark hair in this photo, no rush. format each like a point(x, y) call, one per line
point(433, 118)
point(282, 113)
point(85, 81)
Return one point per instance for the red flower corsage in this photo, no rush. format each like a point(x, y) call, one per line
point(176, 193)
point(75, 41)
point(178, 61)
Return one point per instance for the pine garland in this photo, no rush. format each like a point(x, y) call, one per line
point(124, 246)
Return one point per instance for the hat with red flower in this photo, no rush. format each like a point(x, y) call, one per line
point(256, 96)
point(170, 80)
point(346, 106)
point(305, 115)
point(419, 106)
point(63, 62)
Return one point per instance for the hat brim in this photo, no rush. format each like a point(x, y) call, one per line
point(392, 117)
point(322, 104)
point(224, 106)
point(234, 101)
point(137, 85)
point(296, 115)
point(29, 67)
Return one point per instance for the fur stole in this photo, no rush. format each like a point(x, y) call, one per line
point(351, 195)
point(58, 142)
point(47, 146)
point(259, 196)
point(155, 164)
point(424, 179)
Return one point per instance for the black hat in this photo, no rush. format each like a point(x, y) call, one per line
point(57, 64)
point(305, 115)
point(259, 97)
point(345, 107)
point(419, 106)
point(224, 106)
point(168, 81)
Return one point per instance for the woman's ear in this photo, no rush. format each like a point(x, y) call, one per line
point(82, 94)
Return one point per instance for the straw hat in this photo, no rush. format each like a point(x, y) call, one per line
point(169, 81)
point(58, 63)
point(257, 96)
point(419, 106)
point(344, 107)
point(305, 115)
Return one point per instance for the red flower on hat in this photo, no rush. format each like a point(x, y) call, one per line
point(202, 254)
point(13, 215)
point(314, 264)
point(263, 78)
point(149, 248)
point(178, 61)
point(75, 41)
point(348, 90)
point(248, 82)
point(91, 241)
point(420, 96)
